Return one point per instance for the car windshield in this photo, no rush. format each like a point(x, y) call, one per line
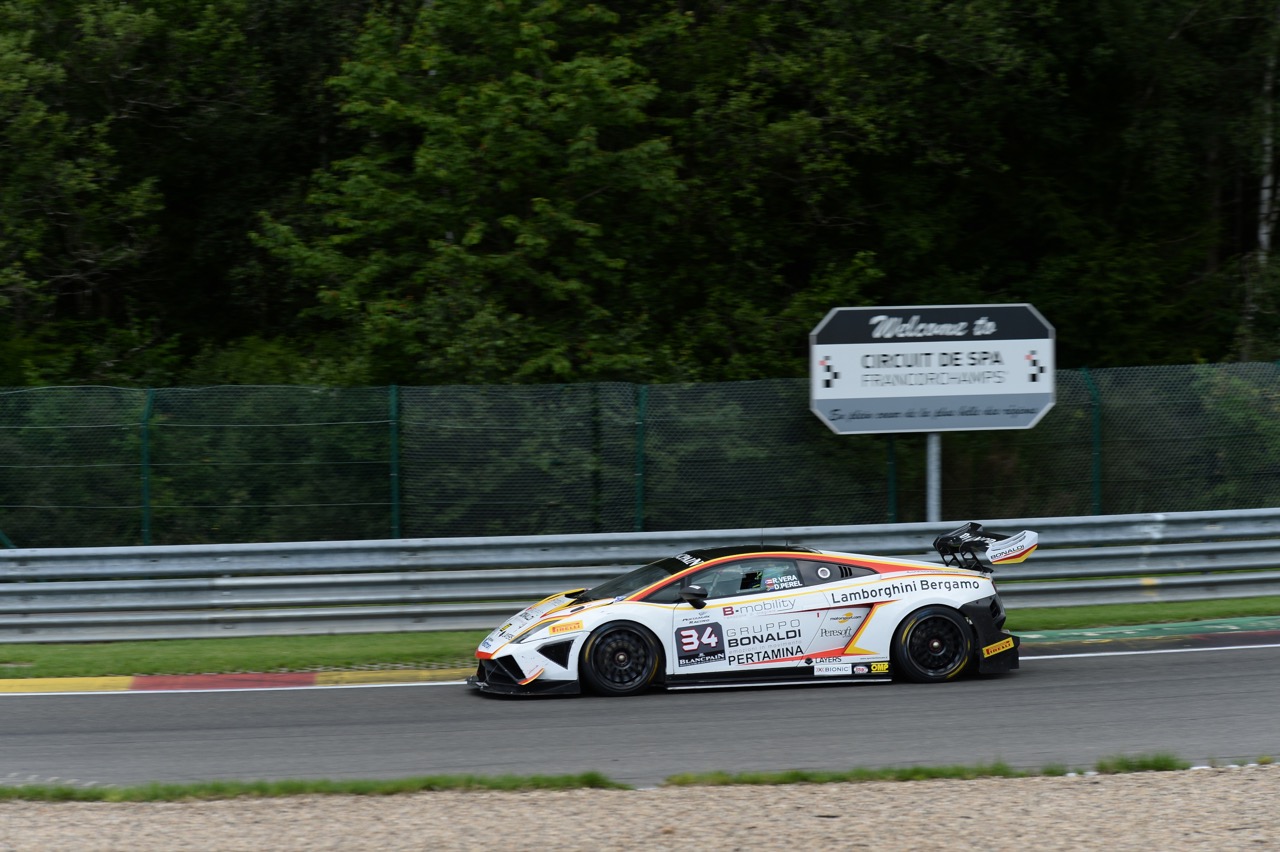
point(634, 581)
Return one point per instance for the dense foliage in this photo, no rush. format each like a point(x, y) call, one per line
point(494, 191)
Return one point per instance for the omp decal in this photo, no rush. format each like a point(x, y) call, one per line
point(531, 678)
point(1003, 645)
point(879, 668)
point(565, 627)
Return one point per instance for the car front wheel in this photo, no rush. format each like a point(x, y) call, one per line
point(620, 659)
point(932, 645)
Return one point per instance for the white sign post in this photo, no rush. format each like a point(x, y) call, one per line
point(931, 368)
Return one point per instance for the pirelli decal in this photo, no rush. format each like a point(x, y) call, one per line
point(565, 627)
point(1004, 644)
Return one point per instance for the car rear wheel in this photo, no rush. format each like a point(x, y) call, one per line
point(932, 645)
point(620, 659)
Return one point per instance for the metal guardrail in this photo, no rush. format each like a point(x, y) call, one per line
point(204, 591)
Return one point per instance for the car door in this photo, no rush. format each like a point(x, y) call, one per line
point(753, 620)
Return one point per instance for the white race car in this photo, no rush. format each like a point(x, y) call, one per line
point(761, 615)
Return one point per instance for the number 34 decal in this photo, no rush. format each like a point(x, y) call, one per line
point(700, 644)
point(696, 638)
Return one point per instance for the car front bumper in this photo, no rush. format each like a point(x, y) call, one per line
point(496, 677)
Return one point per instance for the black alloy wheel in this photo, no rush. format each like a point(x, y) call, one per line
point(932, 645)
point(620, 659)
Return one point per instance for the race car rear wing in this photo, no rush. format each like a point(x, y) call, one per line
point(975, 548)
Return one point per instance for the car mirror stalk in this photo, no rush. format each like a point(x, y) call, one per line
point(696, 596)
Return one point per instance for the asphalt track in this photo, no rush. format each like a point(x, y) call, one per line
point(1070, 706)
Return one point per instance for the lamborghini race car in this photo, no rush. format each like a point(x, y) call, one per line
point(765, 615)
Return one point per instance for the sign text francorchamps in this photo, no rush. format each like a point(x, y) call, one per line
point(931, 368)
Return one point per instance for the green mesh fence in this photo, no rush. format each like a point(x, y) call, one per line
point(98, 466)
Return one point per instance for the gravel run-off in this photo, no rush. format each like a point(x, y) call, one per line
point(1219, 809)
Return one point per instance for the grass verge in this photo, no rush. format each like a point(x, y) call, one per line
point(444, 650)
point(587, 780)
point(1106, 766)
point(807, 776)
point(1119, 615)
point(278, 789)
point(241, 654)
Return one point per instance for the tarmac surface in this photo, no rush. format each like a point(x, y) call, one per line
point(1099, 640)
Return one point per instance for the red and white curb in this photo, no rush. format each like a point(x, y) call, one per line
point(241, 680)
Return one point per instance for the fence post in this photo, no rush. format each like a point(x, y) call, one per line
point(393, 417)
point(642, 402)
point(145, 436)
point(597, 459)
point(1095, 398)
point(892, 476)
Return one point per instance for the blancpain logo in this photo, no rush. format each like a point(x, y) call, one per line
point(887, 326)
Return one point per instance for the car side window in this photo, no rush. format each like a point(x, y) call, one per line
point(753, 576)
point(743, 577)
point(720, 581)
point(815, 573)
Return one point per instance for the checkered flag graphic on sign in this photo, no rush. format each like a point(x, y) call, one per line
point(1037, 369)
point(825, 363)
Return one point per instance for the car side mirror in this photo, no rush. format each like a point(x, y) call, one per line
point(696, 596)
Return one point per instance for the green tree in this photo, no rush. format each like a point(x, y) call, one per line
point(72, 226)
point(836, 154)
point(138, 140)
point(505, 201)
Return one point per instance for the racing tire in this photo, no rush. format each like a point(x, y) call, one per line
point(934, 644)
point(620, 659)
